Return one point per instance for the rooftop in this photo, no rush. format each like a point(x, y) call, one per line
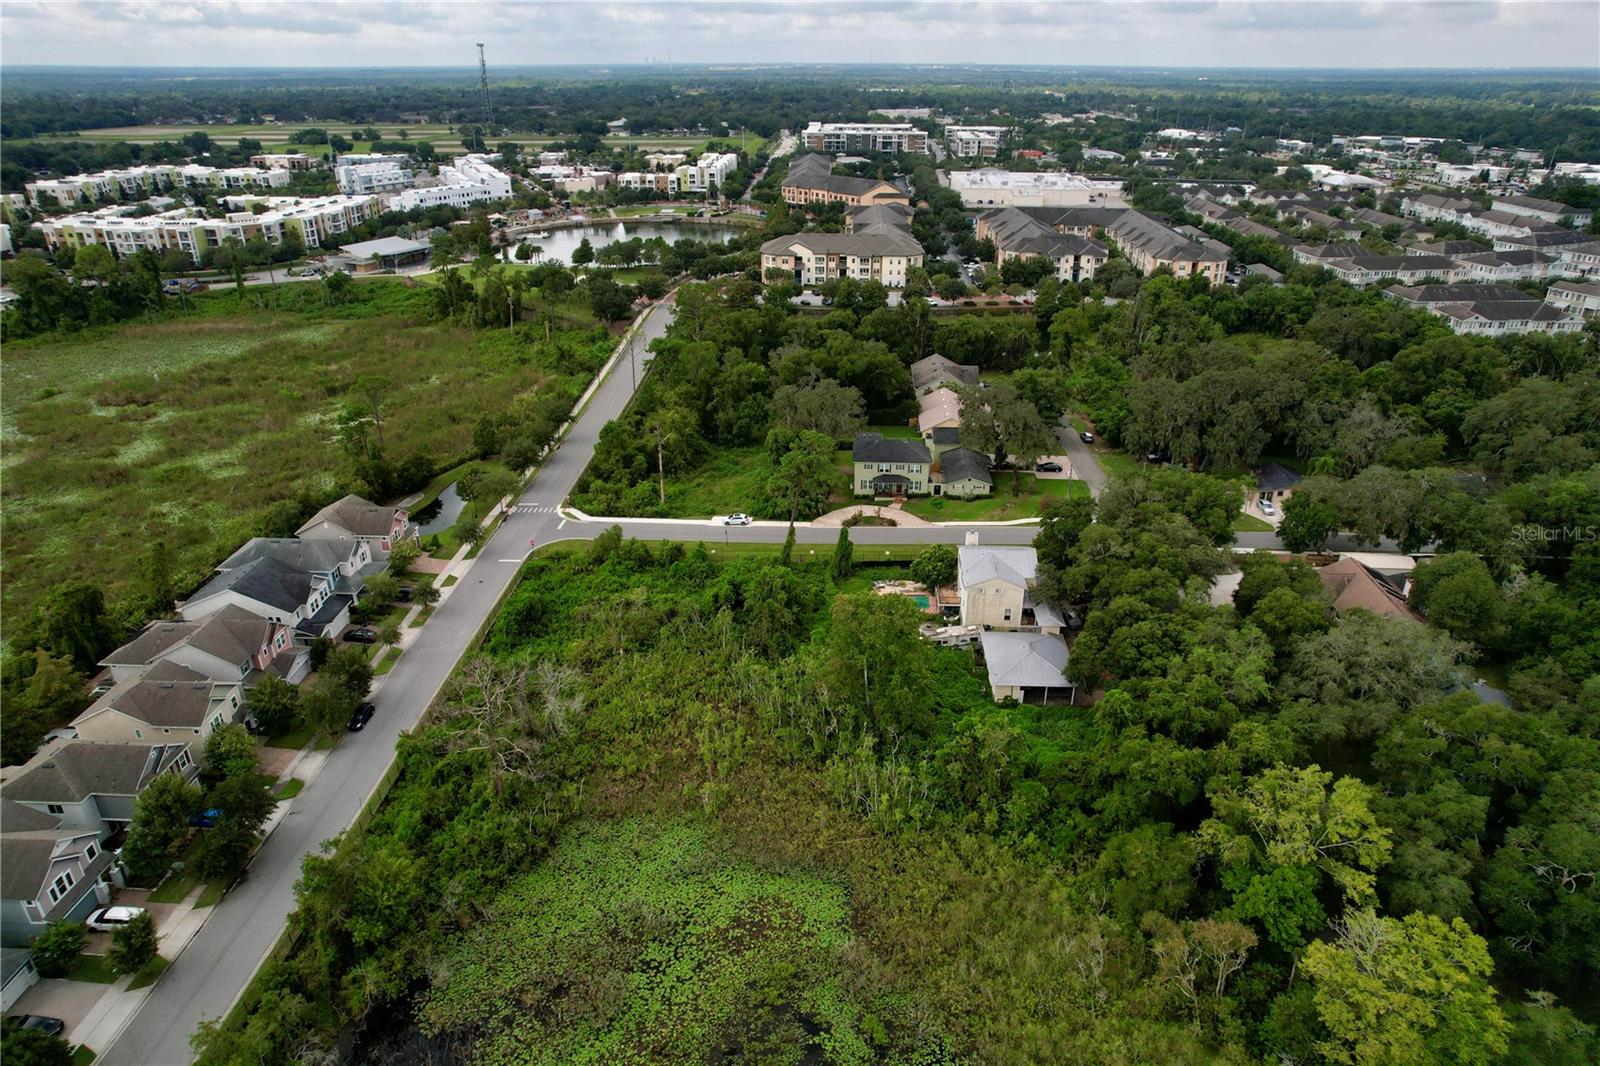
point(1025, 660)
point(876, 448)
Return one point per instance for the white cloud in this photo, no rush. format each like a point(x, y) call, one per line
point(1206, 33)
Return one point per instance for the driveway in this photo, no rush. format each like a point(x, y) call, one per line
point(1084, 465)
point(71, 1001)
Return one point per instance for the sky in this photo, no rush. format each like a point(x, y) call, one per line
point(1203, 33)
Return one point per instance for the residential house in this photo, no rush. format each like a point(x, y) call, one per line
point(814, 258)
point(17, 975)
point(310, 584)
point(1324, 254)
point(1275, 482)
point(1555, 239)
point(1423, 295)
point(1581, 260)
point(1352, 585)
point(943, 439)
point(889, 466)
point(1367, 269)
point(353, 516)
point(1487, 310)
point(1582, 297)
point(938, 407)
point(1025, 666)
point(811, 181)
point(47, 875)
point(1446, 248)
point(996, 589)
point(1432, 208)
point(933, 371)
point(231, 644)
point(91, 785)
point(961, 472)
point(167, 699)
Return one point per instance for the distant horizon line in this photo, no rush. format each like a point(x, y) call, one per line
point(864, 65)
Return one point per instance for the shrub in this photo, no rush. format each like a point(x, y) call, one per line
point(56, 947)
point(134, 945)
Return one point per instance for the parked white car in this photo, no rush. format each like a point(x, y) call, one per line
point(736, 520)
point(1268, 509)
point(110, 919)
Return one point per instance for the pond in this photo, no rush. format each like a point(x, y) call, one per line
point(441, 514)
point(558, 244)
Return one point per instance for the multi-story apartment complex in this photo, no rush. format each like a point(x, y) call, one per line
point(1021, 234)
point(134, 182)
point(975, 142)
point(813, 258)
point(1544, 210)
point(382, 175)
point(1150, 245)
point(811, 181)
point(1581, 297)
point(1009, 188)
point(1487, 310)
point(312, 220)
point(864, 137)
point(469, 180)
point(286, 161)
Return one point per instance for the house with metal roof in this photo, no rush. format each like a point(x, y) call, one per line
point(889, 466)
point(1026, 667)
point(995, 586)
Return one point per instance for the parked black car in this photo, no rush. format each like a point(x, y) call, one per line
point(363, 715)
point(52, 1026)
point(362, 636)
point(1048, 468)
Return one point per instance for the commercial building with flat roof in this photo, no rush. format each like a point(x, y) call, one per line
point(469, 180)
point(864, 137)
point(975, 142)
point(1009, 188)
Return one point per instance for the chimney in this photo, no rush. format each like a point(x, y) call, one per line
point(972, 537)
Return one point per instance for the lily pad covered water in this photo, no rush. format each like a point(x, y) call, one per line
point(644, 941)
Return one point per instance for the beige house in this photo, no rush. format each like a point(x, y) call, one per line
point(167, 701)
point(939, 408)
point(996, 590)
point(961, 473)
point(889, 467)
point(1024, 665)
point(934, 371)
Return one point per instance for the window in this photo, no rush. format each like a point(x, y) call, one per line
point(1008, 614)
point(62, 883)
point(55, 808)
point(91, 851)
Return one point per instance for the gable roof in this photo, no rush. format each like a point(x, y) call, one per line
point(26, 857)
point(19, 818)
point(78, 769)
point(168, 694)
point(1352, 585)
point(937, 369)
point(945, 435)
point(1445, 294)
point(876, 448)
point(264, 580)
point(937, 405)
point(232, 634)
point(356, 516)
point(316, 555)
point(1026, 660)
point(876, 241)
point(976, 563)
point(1160, 241)
point(963, 464)
point(1275, 476)
point(816, 172)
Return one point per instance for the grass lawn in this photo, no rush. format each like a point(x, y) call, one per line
point(178, 884)
point(423, 615)
point(95, 969)
point(1002, 505)
point(296, 738)
point(1116, 464)
point(188, 429)
point(213, 894)
point(82, 1055)
point(148, 973)
point(447, 582)
point(1249, 523)
point(291, 788)
point(387, 664)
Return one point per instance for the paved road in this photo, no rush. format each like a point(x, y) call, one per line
point(221, 959)
point(1084, 464)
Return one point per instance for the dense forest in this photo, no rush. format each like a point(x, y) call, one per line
point(1276, 833)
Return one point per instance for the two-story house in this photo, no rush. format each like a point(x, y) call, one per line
point(889, 466)
point(47, 873)
point(166, 700)
point(353, 516)
point(1023, 651)
point(92, 785)
point(307, 584)
point(232, 644)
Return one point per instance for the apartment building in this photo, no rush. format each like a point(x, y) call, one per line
point(1523, 264)
point(891, 137)
point(1010, 188)
point(313, 220)
point(975, 142)
point(707, 172)
point(286, 161)
point(1549, 211)
point(469, 180)
point(813, 258)
point(811, 181)
point(1578, 297)
point(1017, 234)
point(369, 179)
point(1487, 310)
point(1431, 208)
point(1150, 245)
point(136, 182)
point(664, 182)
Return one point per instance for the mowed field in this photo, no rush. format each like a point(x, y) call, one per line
point(189, 430)
point(275, 138)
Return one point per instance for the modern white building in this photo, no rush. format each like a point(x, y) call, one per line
point(130, 182)
point(469, 180)
point(864, 137)
point(383, 174)
point(975, 142)
point(1010, 188)
point(313, 220)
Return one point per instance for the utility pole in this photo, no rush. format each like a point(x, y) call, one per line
point(483, 81)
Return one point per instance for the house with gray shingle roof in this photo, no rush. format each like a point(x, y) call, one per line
point(353, 516)
point(233, 644)
point(933, 371)
point(889, 466)
point(307, 584)
point(47, 875)
point(166, 700)
point(92, 785)
point(962, 473)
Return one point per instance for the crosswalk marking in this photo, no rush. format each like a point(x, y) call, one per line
point(534, 508)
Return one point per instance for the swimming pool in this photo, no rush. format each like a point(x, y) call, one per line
point(922, 601)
